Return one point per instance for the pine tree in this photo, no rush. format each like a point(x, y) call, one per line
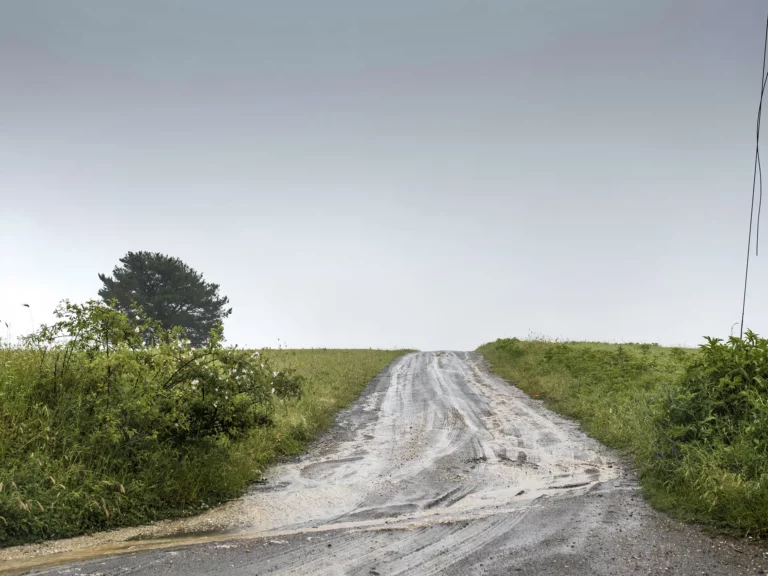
point(169, 291)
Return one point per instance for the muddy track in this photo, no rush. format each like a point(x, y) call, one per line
point(439, 468)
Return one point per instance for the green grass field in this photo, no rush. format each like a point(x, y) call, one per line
point(56, 482)
point(693, 421)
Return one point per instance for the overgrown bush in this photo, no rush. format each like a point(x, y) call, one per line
point(103, 406)
point(712, 434)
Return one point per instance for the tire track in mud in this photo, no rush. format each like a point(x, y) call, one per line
point(437, 451)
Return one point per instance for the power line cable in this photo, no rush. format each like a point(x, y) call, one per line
point(757, 158)
point(757, 171)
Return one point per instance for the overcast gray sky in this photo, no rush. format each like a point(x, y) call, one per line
point(430, 174)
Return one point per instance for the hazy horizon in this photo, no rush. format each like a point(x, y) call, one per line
point(432, 174)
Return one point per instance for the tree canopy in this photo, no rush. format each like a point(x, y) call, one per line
point(168, 290)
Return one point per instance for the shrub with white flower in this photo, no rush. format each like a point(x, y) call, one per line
point(142, 382)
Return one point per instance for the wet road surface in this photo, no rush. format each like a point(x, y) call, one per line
point(439, 468)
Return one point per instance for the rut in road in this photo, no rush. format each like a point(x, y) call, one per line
point(439, 437)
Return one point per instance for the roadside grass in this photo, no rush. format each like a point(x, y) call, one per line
point(56, 481)
point(334, 380)
point(660, 406)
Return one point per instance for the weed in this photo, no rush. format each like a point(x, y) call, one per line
point(711, 444)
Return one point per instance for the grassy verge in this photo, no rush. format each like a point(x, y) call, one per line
point(700, 457)
point(57, 481)
point(334, 380)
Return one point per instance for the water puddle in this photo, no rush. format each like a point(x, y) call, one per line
point(181, 534)
point(140, 543)
point(148, 543)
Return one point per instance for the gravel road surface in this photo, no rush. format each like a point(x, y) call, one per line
point(439, 468)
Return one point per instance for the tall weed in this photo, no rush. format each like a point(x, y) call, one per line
point(711, 436)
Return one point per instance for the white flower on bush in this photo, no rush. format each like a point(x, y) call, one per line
point(275, 373)
point(273, 390)
point(215, 404)
point(138, 317)
point(137, 330)
point(255, 355)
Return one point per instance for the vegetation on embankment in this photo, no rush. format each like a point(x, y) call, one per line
point(106, 420)
point(695, 421)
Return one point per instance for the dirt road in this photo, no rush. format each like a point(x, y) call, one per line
point(439, 468)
